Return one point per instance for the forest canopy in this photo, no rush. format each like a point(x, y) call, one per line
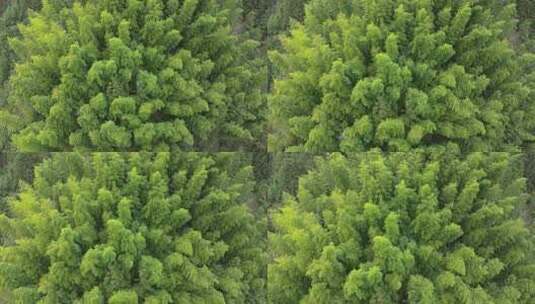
point(404, 228)
point(397, 75)
point(267, 151)
point(135, 227)
point(133, 75)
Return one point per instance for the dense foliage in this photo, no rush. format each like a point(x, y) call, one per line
point(15, 168)
point(284, 13)
point(404, 228)
point(526, 16)
point(134, 228)
point(398, 75)
point(436, 79)
point(134, 75)
point(11, 15)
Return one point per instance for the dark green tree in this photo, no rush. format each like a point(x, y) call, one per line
point(284, 12)
point(15, 168)
point(134, 75)
point(286, 168)
point(255, 15)
point(526, 16)
point(398, 75)
point(134, 228)
point(404, 228)
point(276, 174)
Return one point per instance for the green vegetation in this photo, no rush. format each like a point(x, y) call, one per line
point(267, 151)
point(398, 75)
point(134, 75)
point(404, 228)
point(284, 13)
point(15, 168)
point(135, 227)
point(12, 14)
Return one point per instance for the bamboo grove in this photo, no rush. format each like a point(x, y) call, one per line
point(267, 151)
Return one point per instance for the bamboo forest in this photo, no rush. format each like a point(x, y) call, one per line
point(267, 151)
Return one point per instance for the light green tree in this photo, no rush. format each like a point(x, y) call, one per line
point(404, 228)
point(134, 75)
point(397, 75)
point(12, 13)
point(134, 228)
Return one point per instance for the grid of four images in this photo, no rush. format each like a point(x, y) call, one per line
point(259, 151)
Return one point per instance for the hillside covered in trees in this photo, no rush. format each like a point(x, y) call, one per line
point(267, 151)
